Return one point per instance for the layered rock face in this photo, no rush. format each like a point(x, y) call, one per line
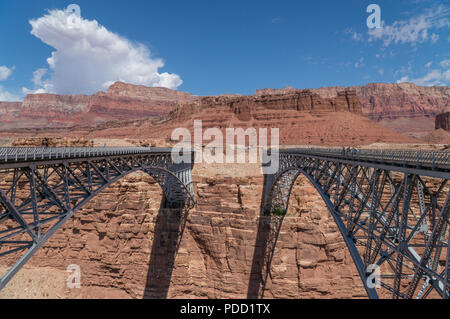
point(56, 110)
point(9, 110)
point(127, 247)
point(247, 108)
point(121, 102)
point(390, 101)
point(405, 108)
point(286, 90)
point(104, 107)
point(54, 105)
point(443, 121)
point(302, 118)
point(148, 94)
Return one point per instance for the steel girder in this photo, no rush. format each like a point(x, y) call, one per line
point(39, 195)
point(393, 220)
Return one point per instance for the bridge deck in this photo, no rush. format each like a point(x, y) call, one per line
point(429, 163)
point(10, 155)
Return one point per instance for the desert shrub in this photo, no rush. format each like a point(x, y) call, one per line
point(278, 211)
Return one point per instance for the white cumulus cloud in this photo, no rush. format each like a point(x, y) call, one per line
point(5, 72)
point(88, 57)
point(360, 63)
point(415, 30)
point(434, 77)
point(353, 34)
point(5, 96)
point(445, 64)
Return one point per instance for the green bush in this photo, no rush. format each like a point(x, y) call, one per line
point(278, 211)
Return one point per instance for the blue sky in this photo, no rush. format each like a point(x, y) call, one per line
point(210, 47)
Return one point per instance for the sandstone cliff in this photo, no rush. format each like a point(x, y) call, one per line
point(405, 108)
point(147, 93)
point(247, 108)
point(106, 107)
point(302, 118)
point(384, 100)
point(9, 110)
point(121, 102)
point(443, 121)
point(51, 108)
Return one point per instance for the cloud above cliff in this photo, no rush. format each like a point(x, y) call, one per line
point(5, 72)
point(88, 57)
point(417, 29)
point(434, 77)
point(5, 96)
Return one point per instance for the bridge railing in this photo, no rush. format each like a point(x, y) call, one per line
point(19, 154)
point(432, 159)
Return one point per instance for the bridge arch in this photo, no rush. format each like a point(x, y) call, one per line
point(58, 188)
point(162, 177)
point(303, 232)
point(383, 215)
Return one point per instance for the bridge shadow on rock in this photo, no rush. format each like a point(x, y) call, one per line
point(169, 228)
point(268, 231)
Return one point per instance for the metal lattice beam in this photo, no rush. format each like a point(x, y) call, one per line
point(391, 208)
point(56, 182)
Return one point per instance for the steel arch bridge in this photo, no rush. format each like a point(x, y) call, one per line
point(391, 208)
point(42, 188)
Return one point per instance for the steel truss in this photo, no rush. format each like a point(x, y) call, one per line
point(393, 217)
point(41, 189)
